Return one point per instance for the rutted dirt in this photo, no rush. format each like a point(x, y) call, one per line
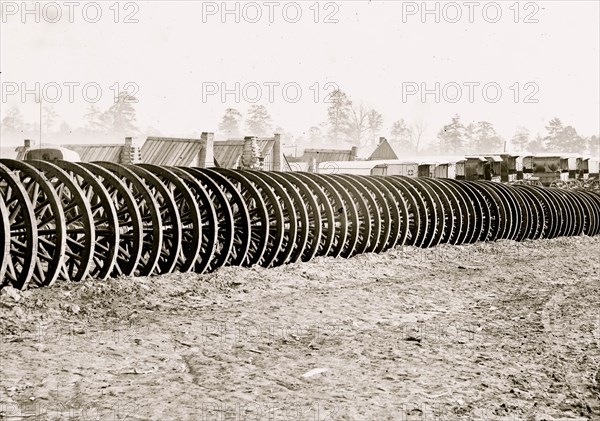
point(502, 331)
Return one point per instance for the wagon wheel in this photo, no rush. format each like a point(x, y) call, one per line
point(589, 216)
point(128, 228)
point(4, 239)
point(301, 200)
point(495, 210)
point(399, 208)
point(346, 217)
point(564, 222)
point(576, 212)
point(279, 246)
point(397, 213)
point(375, 193)
point(414, 231)
point(593, 215)
point(536, 212)
point(81, 233)
point(321, 215)
point(49, 219)
point(464, 215)
point(448, 217)
point(189, 217)
point(550, 211)
point(170, 253)
point(369, 213)
point(104, 218)
point(519, 213)
point(289, 215)
point(216, 218)
point(254, 211)
point(149, 211)
point(241, 234)
point(527, 214)
point(477, 213)
point(506, 208)
point(21, 228)
point(357, 231)
point(429, 210)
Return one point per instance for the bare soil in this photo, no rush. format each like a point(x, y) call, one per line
point(502, 331)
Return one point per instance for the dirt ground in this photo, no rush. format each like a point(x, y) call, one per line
point(501, 331)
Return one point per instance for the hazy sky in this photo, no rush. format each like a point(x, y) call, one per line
point(373, 50)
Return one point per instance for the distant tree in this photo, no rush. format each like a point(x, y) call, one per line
point(451, 136)
point(536, 145)
point(49, 118)
point(359, 125)
point(287, 138)
point(258, 121)
point(594, 146)
point(375, 123)
point(470, 140)
point(93, 119)
point(339, 116)
point(520, 139)
point(120, 118)
point(418, 129)
point(402, 134)
point(571, 141)
point(486, 138)
point(229, 126)
point(552, 139)
point(64, 129)
point(315, 135)
point(13, 122)
point(563, 138)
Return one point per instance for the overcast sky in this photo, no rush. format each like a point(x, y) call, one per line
point(375, 48)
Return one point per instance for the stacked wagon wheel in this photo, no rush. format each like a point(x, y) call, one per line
point(74, 221)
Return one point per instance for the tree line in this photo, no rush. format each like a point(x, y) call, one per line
point(346, 123)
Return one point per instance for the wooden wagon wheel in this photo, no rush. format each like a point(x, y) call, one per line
point(564, 220)
point(216, 219)
point(151, 228)
point(495, 209)
point(378, 207)
point(170, 253)
point(448, 222)
point(504, 222)
point(276, 251)
point(518, 211)
point(550, 222)
point(81, 232)
point(241, 231)
point(572, 211)
point(187, 207)
point(477, 212)
point(415, 225)
point(536, 212)
point(579, 211)
point(4, 239)
point(104, 216)
point(400, 209)
point(322, 216)
point(395, 208)
point(430, 210)
point(349, 226)
point(301, 199)
point(289, 219)
point(369, 218)
point(128, 228)
point(249, 213)
point(464, 215)
point(49, 219)
point(21, 228)
point(592, 214)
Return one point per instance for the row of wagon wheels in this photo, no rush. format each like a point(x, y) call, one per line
point(72, 221)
